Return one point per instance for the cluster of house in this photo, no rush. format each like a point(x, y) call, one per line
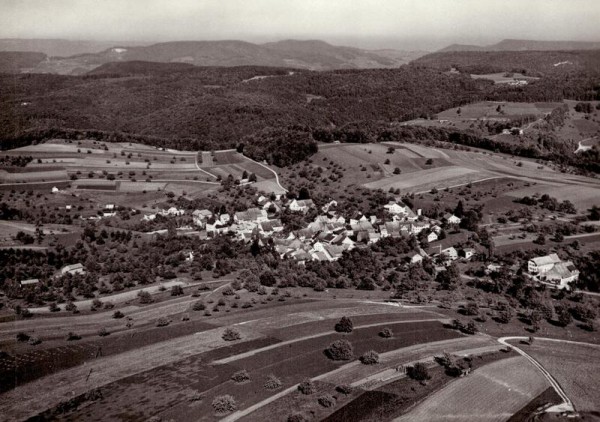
point(553, 271)
point(169, 212)
point(329, 234)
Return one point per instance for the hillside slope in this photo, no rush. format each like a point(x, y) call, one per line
point(525, 45)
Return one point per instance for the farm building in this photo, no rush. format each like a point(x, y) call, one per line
point(432, 237)
point(301, 205)
point(200, 217)
point(467, 253)
point(30, 282)
point(451, 219)
point(251, 215)
point(551, 270)
point(72, 269)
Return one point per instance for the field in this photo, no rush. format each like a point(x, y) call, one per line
point(487, 110)
point(493, 392)
point(575, 366)
point(504, 78)
point(94, 165)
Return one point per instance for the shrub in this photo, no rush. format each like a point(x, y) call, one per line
point(470, 328)
point(340, 350)
point(297, 417)
point(34, 341)
point(96, 304)
point(307, 387)
point(23, 337)
point(344, 326)
point(370, 358)
point(386, 333)
point(71, 307)
point(418, 372)
point(72, 336)
point(176, 290)
point(108, 305)
point(118, 314)
point(241, 376)
point(326, 400)
point(54, 307)
point(144, 297)
point(231, 334)
point(228, 291)
point(198, 306)
point(344, 389)
point(224, 404)
point(272, 383)
point(103, 332)
point(162, 322)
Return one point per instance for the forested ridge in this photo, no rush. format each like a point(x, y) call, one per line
point(195, 108)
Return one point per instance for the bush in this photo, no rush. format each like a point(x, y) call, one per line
point(224, 404)
point(72, 336)
point(344, 326)
point(54, 307)
point(34, 341)
point(162, 322)
point(326, 400)
point(71, 307)
point(470, 328)
point(307, 387)
point(108, 305)
point(297, 417)
point(418, 372)
point(176, 290)
point(228, 291)
point(118, 315)
point(103, 332)
point(340, 350)
point(241, 376)
point(198, 306)
point(344, 389)
point(231, 334)
point(23, 337)
point(272, 383)
point(144, 297)
point(386, 333)
point(370, 358)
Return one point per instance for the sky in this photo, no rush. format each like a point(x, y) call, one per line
point(407, 24)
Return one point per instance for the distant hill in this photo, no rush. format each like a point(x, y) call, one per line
point(312, 55)
point(531, 63)
point(57, 47)
point(526, 45)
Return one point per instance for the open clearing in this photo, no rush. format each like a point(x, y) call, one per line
point(493, 392)
point(505, 77)
point(93, 163)
point(575, 366)
point(583, 197)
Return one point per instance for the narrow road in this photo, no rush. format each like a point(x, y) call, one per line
point(566, 405)
point(198, 166)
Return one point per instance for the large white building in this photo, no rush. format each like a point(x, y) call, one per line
point(550, 269)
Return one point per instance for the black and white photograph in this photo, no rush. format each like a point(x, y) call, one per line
point(300, 210)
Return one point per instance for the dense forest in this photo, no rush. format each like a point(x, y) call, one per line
point(193, 108)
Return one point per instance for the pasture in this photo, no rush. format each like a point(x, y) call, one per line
point(583, 197)
point(575, 366)
point(489, 110)
point(94, 164)
point(493, 392)
point(505, 77)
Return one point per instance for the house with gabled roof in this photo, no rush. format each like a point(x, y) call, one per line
point(551, 270)
point(301, 205)
point(73, 269)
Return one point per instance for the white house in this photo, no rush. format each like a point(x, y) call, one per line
point(200, 217)
point(432, 237)
point(55, 189)
point(450, 253)
point(467, 253)
point(301, 205)
point(394, 208)
point(72, 269)
point(452, 219)
point(30, 282)
point(550, 269)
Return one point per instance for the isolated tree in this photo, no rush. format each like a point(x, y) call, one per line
point(340, 350)
point(386, 333)
point(370, 358)
point(344, 325)
point(307, 387)
point(231, 334)
point(224, 404)
point(418, 372)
